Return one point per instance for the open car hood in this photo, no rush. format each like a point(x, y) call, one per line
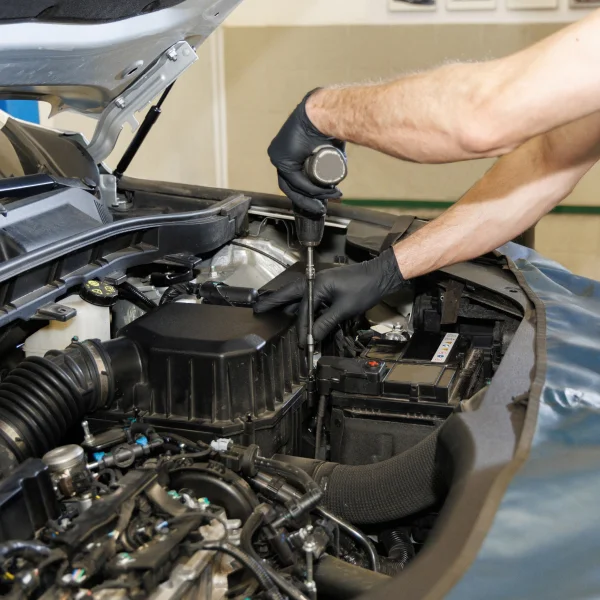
point(104, 59)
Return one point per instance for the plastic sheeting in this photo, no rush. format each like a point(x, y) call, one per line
point(545, 538)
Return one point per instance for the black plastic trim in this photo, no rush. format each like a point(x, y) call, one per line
point(40, 276)
point(30, 260)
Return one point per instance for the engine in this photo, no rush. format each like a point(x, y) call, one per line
point(178, 454)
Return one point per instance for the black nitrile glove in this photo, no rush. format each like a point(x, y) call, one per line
point(344, 292)
point(295, 142)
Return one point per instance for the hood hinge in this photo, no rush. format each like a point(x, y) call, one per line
point(169, 66)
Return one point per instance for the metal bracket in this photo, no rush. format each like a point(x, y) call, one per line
point(108, 190)
point(122, 109)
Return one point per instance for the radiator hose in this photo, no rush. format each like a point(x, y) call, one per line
point(392, 489)
point(44, 397)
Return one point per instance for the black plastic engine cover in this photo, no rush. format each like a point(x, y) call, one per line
point(219, 370)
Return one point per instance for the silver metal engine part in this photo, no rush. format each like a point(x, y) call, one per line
point(394, 323)
point(124, 312)
point(204, 575)
point(248, 262)
point(68, 469)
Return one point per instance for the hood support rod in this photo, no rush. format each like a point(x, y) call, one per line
point(141, 134)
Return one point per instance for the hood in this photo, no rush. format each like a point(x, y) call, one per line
point(105, 59)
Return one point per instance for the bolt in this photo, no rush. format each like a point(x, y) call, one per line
point(309, 548)
point(120, 103)
point(172, 54)
point(88, 438)
point(121, 203)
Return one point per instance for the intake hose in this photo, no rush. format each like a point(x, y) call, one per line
point(392, 489)
point(44, 397)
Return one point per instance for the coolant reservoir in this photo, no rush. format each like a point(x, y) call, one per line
point(90, 322)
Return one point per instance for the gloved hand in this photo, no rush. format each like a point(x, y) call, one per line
point(295, 142)
point(344, 292)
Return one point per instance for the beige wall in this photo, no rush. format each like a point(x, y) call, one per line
point(267, 70)
point(311, 13)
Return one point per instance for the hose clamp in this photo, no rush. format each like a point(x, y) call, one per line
point(14, 439)
point(102, 371)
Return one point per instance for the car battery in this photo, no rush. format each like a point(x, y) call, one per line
point(389, 398)
point(423, 369)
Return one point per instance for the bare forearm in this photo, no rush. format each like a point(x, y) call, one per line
point(418, 117)
point(519, 189)
point(471, 110)
point(487, 216)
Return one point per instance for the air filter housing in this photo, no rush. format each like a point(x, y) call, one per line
point(219, 370)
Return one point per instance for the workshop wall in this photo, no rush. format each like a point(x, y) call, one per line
point(269, 69)
point(225, 110)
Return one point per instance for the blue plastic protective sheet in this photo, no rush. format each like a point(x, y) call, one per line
point(545, 539)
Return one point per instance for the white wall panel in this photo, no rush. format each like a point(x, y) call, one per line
point(260, 13)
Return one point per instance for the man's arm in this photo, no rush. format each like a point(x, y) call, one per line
point(515, 193)
point(512, 196)
point(470, 110)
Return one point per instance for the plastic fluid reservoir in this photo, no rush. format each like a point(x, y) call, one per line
point(90, 322)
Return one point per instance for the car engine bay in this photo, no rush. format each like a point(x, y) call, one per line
point(157, 439)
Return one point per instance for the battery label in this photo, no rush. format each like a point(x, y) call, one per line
point(441, 354)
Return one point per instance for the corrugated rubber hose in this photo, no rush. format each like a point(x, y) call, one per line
point(389, 490)
point(392, 489)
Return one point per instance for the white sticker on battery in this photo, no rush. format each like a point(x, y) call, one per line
point(382, 328)
point(441, 354)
